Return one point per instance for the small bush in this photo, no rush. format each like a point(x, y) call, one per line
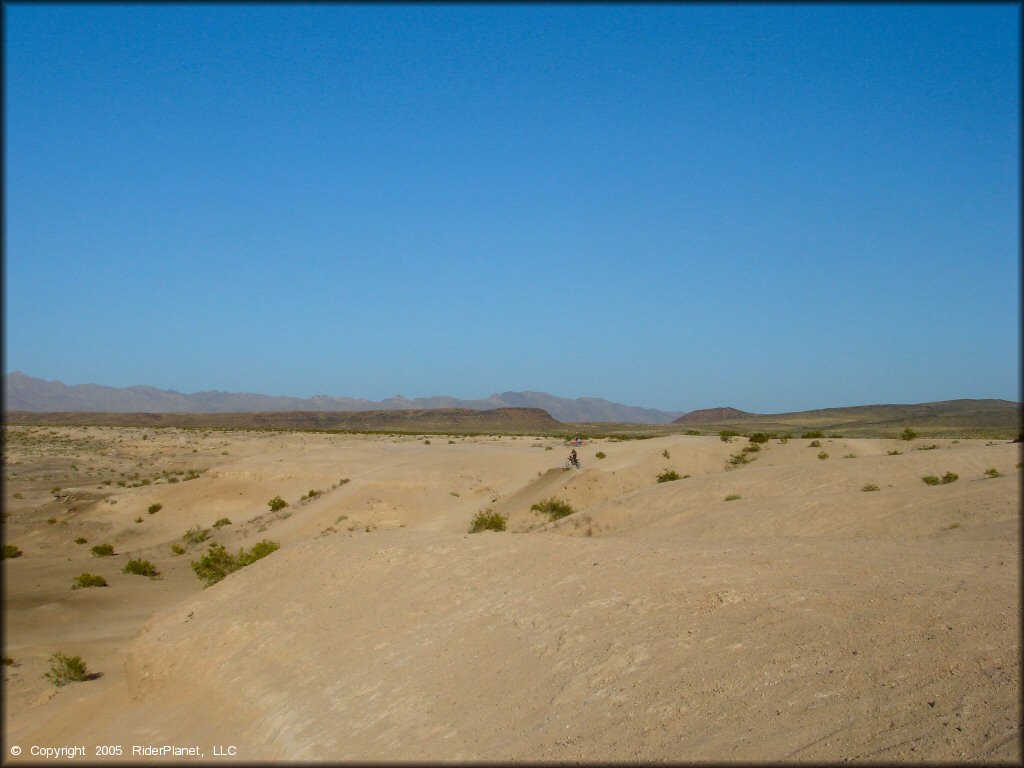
point(950, 477)
point(811, 435)
point(668, 475)
point(488, 521)
point(177, 549)
point(88, 580)
point(753, 448)
point(218, 562)
point(931, 480)
point(553, 508)
point(196, 535)
point(814, 444)
point(81, 540)
point(141, 568)
point(822, 455)
point(931, 447)
point(666, 454)
point(103, 550)
point(850, 456)
point(222, 522)
point(66, 669)
point(693, 432)
point(10, 550)
point(52, 520)
point(758, 437)
point(993, 472)
point(908, 434)
point(870, 487)
point(600, 455)
point(277, 503)
point(138, 519)
point(733, 497)
point(154, 508)
point(895, 453)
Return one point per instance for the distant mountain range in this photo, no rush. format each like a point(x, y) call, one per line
point(25, 393)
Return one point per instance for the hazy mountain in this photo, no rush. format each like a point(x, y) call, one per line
point(25, 393)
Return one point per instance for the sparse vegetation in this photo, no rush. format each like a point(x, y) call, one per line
point(222, 522)
point(103, 550)
point(218, 562)
point(66, 669)
point(154, 508)
point(488, 521)
point(993, 472)
point(950, 477)
point(177, 549)
point(668, 475)
point(141, 568)
point(931, 447)
point(277, 503)
point(908, 434)
point(870, 487)
point(88, 580)
point(813, 434)
point(553, 508)
point(822, 455)
point(814, 444)
point(931, 480)
point(666, 454)
point(726, 435)
point(850, 456)
point(895, 453)
point(196, 535)
point(10, 550)
point(600, 455)
point(81, 540)
point(758, 437)
point(733, 497)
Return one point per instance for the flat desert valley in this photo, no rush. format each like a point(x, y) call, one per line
point(767, 608)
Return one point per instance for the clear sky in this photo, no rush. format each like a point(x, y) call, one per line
point(674, 206)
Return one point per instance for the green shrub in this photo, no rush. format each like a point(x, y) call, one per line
point(950, 477)
point(870, 487)
point(931, 480)
point(138, 519)
point(822, 455)
point(66, 669)
point(993, 472)
point(218, 562)
point(931, 447)
point(88, 580)
point(758, 437)
point(488, 521)
point(813, 434)
point(600, 455)
point(553, 508)
point(177, 549)
point(850, 456)
point(154, 508)
point(814, 444)
point(908, 434)
point(103, 550)
point(693, 432)
point(277, 503)
point(52, 520)
point(81, 540)
point(196, 535)
point(752, 448)
point(10, 550)
point(222, 522)
point(668, 475)
point(895, 453)
point(733, 497)
point(141, 568)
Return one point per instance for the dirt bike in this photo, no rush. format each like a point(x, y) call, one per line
point(569, 464)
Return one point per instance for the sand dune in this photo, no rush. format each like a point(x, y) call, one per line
point(806, 620)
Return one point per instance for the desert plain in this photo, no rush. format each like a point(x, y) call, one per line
point(804, 603)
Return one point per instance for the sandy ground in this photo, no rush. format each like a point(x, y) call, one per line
point(805, 620)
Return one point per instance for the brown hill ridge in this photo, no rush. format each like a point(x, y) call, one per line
point(712, 414)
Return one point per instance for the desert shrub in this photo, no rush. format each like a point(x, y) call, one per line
point(10, 550)
point(222, 522)
point(950, 477)
point(733, 497)
point(141, 568)
point(600, 455)
point(692, 432)
point(814, 444)
point(52, 520)
point(822, 455)
point(553, 508)
point(931, 480)
point(138, 519)
point(993, 472)
point(668, 475)
point(196, 535)
point(277, 503)
point(870, 487)
point(487, 521)
point(103, 550)
point(908, 434)
point(154, 508)
point(931, 447)
point(666, 454)
point(813, 434)
point(66, 669)
point(88, 580)
point(850, 456)
point(894, 453)
point(753, 448)
point(726, 435)
point(218, 562)
point(739, 458)
point(758, 437)
point(81, 540)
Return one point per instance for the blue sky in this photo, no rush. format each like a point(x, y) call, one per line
point(674, 206)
